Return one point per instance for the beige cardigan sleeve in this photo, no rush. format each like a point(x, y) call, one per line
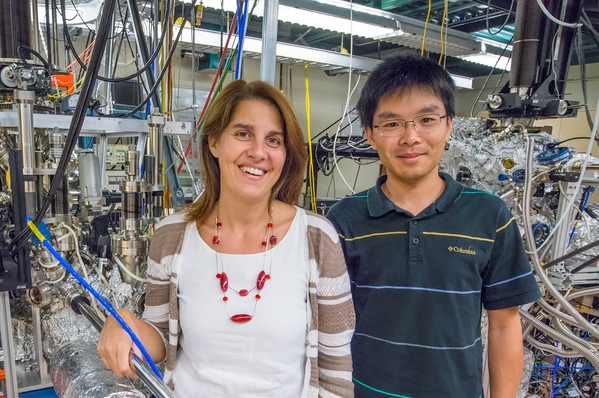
point(333, 316)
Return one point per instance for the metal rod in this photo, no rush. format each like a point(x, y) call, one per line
point(8, 346)
point(37, 342)
point(157, 386)
point(268, 61)
point(25, 101)
point(156, 124)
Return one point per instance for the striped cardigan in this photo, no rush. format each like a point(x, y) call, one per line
point(331, 319)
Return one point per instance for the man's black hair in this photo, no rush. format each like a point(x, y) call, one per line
point(399, 75)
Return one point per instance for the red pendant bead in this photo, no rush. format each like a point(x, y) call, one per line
point(224, 282)
point(269, 240)
point(241, 318)
point(261, 280)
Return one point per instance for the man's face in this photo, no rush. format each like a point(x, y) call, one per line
point(410, 155)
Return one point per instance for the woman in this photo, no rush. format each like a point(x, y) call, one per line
point(247, 295)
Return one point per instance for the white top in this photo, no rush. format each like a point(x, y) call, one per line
point(264, 357)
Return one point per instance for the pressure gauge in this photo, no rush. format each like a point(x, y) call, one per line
point(73, 99)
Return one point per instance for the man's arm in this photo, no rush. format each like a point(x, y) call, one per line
point(506, 352)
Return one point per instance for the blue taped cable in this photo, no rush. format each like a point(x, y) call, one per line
point(243, 16)
point(97, 295)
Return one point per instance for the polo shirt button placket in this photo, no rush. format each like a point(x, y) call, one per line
point(415, 241)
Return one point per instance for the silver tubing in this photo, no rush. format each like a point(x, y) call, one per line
point(157, 386)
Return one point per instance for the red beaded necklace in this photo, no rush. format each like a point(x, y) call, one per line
point(268, 242)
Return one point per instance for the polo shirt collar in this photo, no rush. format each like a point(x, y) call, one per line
point(379, 204)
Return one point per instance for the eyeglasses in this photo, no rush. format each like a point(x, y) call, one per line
point(422, 123)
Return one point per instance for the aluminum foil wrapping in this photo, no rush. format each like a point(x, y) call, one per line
point(22, 330)
point(586, 230)
point(77, 371)
point(70, 346)
point(529, 361)
point(64, 328)
point(473, 147)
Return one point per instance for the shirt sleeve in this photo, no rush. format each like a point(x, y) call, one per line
point(156, 311)
point(508, 280)
point(336, 316)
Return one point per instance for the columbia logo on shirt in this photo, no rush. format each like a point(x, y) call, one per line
point(462, 250)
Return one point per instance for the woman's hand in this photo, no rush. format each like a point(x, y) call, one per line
point(116, 347)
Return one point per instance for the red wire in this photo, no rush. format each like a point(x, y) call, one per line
point(216, 78)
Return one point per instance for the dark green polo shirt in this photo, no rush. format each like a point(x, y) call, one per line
point(418, 283)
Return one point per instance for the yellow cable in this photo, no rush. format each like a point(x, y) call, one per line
point(445, 6)
point(311, 176)
point(36, 231)
point(428, 15)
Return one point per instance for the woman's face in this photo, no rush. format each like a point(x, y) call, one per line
point(251, 152)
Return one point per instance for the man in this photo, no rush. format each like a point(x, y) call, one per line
point(424, 253)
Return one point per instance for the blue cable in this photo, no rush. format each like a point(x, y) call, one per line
point(553, 374)
point(560, 387)
point(241, 27)
point(240, 37)
point(97, 295)
point(583, 204)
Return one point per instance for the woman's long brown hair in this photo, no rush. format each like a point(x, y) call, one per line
point(288, 188)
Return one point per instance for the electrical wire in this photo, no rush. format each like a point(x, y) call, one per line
point(97, 295)
point(33, 52)
point(124, 268)
point(555, 20)
point(443, 26)
point(347, 113)
point(311, 171)
point(83, 266)
point(504, 22)
point(147, 65)
point(583, 75)
point(187, 164)
point(164, 69)
point(243, 11)
point(489, 77)
point(428, 15)
point(553, 59)
point(349, 94)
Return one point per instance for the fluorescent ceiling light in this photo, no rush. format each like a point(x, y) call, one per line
point(462, 81)
point(330, 22)
point(358, 8)
point(310, 18)
point(494, 43)
point(490, 60)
